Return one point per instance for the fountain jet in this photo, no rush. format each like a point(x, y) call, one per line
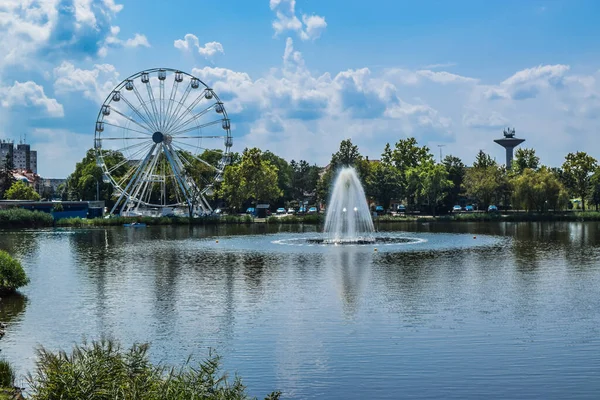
point(348, 219)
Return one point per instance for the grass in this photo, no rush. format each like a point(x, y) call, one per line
point(104, 370)
point(297, 219)
point(21, 218)
point(119, 221)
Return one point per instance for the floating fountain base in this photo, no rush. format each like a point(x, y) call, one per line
point(361, 241)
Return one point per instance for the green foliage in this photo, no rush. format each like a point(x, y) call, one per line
point(538, 191)
point(20, 218)
point(284, 173)
point(428, 181)
point(252, 179)
point(483, 161)
point(485, 183)
point(407, 154)
point(86, 180)
point(525, 159)
point(456, 173)
point(297, 219)
point(578, 169)
point(304, 179)
point(7, 374)
point(119, 221)
point(595, 183)
point(384, 184)
point(12, 275)
point(21, 191)
point(104, 370)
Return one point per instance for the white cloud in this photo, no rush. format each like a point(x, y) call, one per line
point(95, 84)
point(310, 28)
point(208, 51)
point(494, 120)
point(30, 94)
point(528, 83)
point(46, 29)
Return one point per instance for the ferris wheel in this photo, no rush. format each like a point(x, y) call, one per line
point(171, 137)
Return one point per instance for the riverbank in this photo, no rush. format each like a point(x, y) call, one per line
point(19, 218)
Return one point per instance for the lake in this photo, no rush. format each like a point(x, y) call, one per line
point(460, 310)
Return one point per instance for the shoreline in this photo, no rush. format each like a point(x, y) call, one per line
point(10, 219)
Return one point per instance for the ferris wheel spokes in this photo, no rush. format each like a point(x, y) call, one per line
point(174, 125)
point(150, 116)
point(139, 114)
point(132, 120)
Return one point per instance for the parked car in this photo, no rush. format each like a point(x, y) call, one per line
point(312, 210)
point(280, 210)
point(469, 208)
point(301, 210)
point(456, 208)
point(250, 210)
point(401, 208)
point(290, 211)
point(492, 208)
point(379, 210)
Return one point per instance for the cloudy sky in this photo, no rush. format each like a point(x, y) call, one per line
point(299, 76)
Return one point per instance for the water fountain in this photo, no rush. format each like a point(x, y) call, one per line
point(348, 219)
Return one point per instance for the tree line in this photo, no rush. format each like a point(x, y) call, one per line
point(406, 173)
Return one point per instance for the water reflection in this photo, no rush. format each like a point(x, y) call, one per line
point(351, 268)
point(11, 308)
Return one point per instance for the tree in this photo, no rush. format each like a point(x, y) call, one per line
point(456, 173)
point(384, 184)
point(407, 154)
point(347, 156)
point(484, 160)
point(578, 169)
point(304, 179)
point(538, 190)
point(485, 184)
point(284, 174)
point(525, 158)
point(232, 188)
point(252, 179)
point(6, 177)
point(595, 182)
point(86, 181)
point(429, 181)
point(21, 191)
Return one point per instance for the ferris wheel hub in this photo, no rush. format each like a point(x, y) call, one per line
point(158, 137)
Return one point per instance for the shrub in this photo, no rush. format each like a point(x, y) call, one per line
point(12, 275)
point(7, 374)
point(104, 370)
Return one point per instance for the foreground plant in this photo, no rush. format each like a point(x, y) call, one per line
point(104, 370)
point(12, 275)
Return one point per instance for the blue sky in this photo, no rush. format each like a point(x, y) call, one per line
point(299, 76)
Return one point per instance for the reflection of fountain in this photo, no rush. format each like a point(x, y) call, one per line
point(348, 219)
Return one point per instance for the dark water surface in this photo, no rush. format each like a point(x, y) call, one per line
point(512, 313)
